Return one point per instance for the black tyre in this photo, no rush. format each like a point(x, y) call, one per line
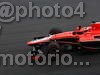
point(55, 31)
point(50, 48)
point(67, 48)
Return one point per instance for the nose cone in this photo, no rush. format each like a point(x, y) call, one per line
point(30, 43)
point(39, 41)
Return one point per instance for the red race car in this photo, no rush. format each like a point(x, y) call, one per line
point(82, 39)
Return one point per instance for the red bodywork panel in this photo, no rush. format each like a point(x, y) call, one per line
point(64, 35)
point(89, 34)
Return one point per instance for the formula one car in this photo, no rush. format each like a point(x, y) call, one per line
point(82, 39)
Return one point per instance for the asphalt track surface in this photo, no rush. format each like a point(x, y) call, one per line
point(16, 34)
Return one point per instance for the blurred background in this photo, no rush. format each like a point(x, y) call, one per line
point(16, 34)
